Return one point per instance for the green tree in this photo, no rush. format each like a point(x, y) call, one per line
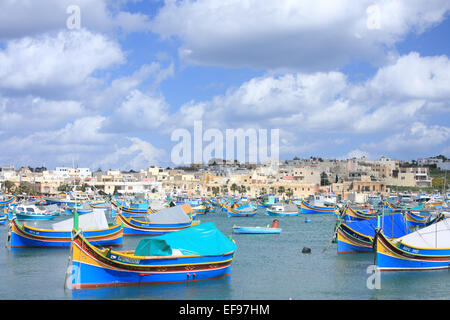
point(64, 188)
point(289, 193)
point(281, 190)
point(437, 182)
point(234, 187)
point(9, 185)
point(262, 191)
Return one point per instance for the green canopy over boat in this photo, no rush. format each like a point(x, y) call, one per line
point(203, 239)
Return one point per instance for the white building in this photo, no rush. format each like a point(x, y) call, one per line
point(62, 172)
point(84, 172)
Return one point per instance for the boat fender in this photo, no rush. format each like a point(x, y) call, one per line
point(275, 223)
point(306, 250)
point(307, 220)
point(193, 276)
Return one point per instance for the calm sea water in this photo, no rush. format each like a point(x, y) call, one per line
point(265, 267)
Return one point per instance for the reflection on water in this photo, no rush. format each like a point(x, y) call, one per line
point(199, 290)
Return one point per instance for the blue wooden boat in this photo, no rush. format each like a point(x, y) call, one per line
point(417, 219)
point(167, 220)
point(8, 201)
point(306, 207)
point(246, 210)
point(424, 249)
point(283, 210)
point(256, 230)
point(29, 211)
point(267, 201)
point(351, 214)
point(359, 236)
point(133, 210)
point(259, 230)
point(196, 253)
point(24, 236)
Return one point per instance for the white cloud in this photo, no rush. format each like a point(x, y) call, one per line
point(292, 35)
point(139, 154)
point(44, 16)
point(417, 137)
point(49, 61)
point(138, 112)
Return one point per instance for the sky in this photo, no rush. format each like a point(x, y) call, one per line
point(106, 85)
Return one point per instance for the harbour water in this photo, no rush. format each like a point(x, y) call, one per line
point(265, 267)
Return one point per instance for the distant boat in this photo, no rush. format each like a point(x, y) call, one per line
point(351, 214)
point(197, 253)
point(94, 226)
point(424, 249)
point(416, 218)
point(30, 211)
point(283, 210)
point(6, 201)
point(167, 220)
point(132, 210)
point(306, 207)
point(267, 201)
point(259, 230)
point(246, 210)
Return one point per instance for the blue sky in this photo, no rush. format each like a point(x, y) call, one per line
point(336, 79)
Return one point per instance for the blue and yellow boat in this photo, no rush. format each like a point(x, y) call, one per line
point(197, 253)
point(417, 219)
point(7, 202)
point(351, 214)
point(359, 236)
point(167, 220)
point(133, 210)
point(24, 236)
point(306, 207)
point(246, 210)
point(424, 249)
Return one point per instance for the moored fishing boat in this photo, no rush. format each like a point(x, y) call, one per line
point(197, 253)
point(30, 211)
point(6, 201)
point(351, 214)
point(306, 207)
point(273, 229)
point(132, 210)
point(359, 236)
point(283, 210)
point(158, 223)
point(94, 226)
point(424, 249)
point(246, 210)
point(267, 201)
point(415, 218)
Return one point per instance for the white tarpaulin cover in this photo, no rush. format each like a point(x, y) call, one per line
point(90, 221)
point(435, 236)
point(175, 214)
